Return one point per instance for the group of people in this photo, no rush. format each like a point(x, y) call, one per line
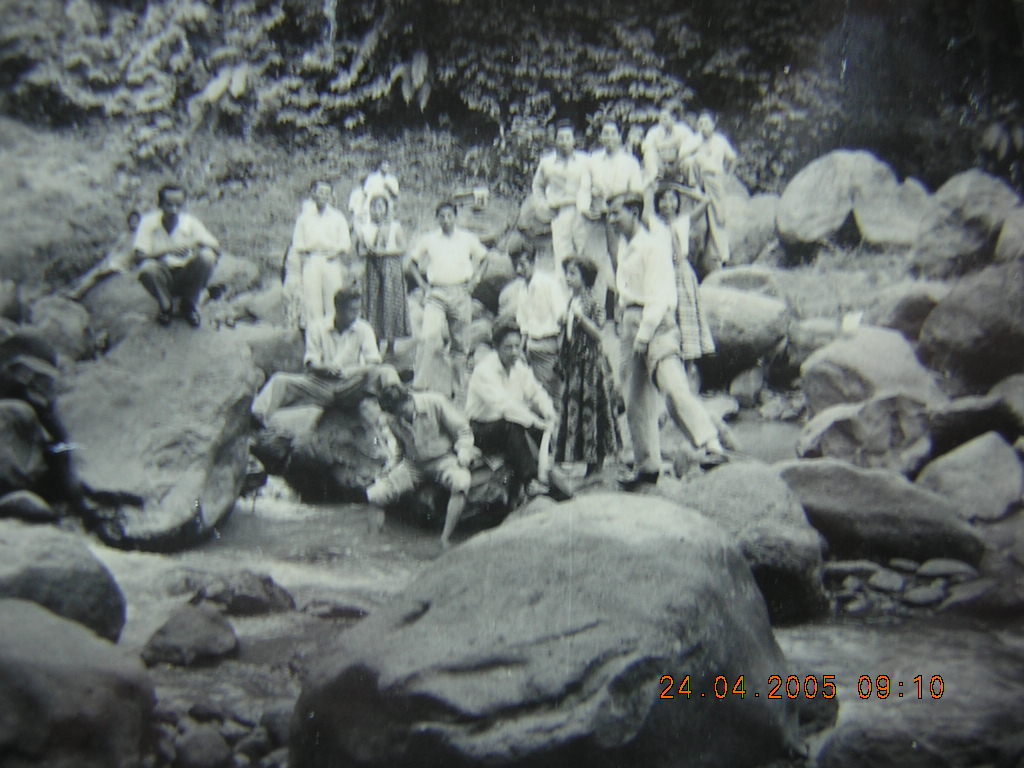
point(543, 394)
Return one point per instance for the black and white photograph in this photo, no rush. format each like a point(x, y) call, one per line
point(496, 384)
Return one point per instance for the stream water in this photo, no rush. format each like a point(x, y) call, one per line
point(340, 561)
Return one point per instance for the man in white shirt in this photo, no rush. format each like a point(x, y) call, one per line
point(714, 158)
point(447, 265)
point(341, 358)
point(177, 253)
point(613, 171)
point(540, 315)
point(507, 407)
point(437, 444)
point(316, 268)
point(667, 145)
point(651, 344)
point(557, 185)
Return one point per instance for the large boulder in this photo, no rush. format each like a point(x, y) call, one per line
point(760, 513)
point(888, 431)
point(905, 306)
point(746, 325)
point(273, 349)
point(162, 424)
point(878, 514)
point(330, 455)
point(68, 698)
point(965, 418)
point(975, 335)
point(984, 477)
point(56, 570)
point(65, 324)
point(117, 306)
point(1010, 245)
point(546, 641)
point(751, 226)
point(958, 232)
point(232, 276)
point(864, 363)
point(22, 453)
point(848, 195)
point(1010, 392)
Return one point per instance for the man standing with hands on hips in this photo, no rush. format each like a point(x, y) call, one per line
point(447, 264)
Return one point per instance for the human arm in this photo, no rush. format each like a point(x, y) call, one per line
point(417, 256)
point(729, 156)
point(478, 256)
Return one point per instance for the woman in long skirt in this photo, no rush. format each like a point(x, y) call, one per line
point(587, 430)
point(382, 242)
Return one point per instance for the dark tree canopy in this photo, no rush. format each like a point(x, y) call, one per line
point(926, 83)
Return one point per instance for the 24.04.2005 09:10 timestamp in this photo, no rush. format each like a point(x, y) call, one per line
point(809, 686)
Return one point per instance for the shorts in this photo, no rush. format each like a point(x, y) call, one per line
point(408, 475)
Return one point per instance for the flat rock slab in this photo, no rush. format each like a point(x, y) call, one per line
point(878, 514)
point(162, 424)
point(545, 641)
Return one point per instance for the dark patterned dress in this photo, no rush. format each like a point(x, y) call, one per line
point(587, 431)
point(384, 298)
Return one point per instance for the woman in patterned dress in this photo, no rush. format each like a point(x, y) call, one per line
point(693, 324)
point(587, 430)
point(382, 243)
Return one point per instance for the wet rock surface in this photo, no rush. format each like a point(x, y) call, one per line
point(524, 679)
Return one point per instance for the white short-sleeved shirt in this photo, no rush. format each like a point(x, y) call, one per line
point(340, 351)
point(448, 259)
point(713, 153)
point(325, 232)
point(151, 238)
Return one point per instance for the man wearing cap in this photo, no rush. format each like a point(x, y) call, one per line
point(557, 184)
point(447, 265)
point(651, 361)
point(436, 443)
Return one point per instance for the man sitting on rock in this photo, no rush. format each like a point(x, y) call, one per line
point(436, 443)
point(509, 409)
point(177, 253)
point(341, 359)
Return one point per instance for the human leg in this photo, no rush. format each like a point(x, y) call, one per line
point(459, 314)
point(684, 406)
point(641, 399)
point(542, 355)
point(285, 389)
point(156, 278)
point(450, 474)
point(430, 363)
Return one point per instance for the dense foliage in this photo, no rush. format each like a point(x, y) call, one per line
point(927, 83)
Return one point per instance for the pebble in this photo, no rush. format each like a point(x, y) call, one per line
point(903, 564)
point(926, 594)
point(256, 744)
point(966, 593)
point(202, 746)
point(885, 580)
point(838, 569)
point(943, 566)
point(858, 607)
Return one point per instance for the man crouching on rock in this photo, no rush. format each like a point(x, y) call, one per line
point(436, 443)
point(177, 254)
